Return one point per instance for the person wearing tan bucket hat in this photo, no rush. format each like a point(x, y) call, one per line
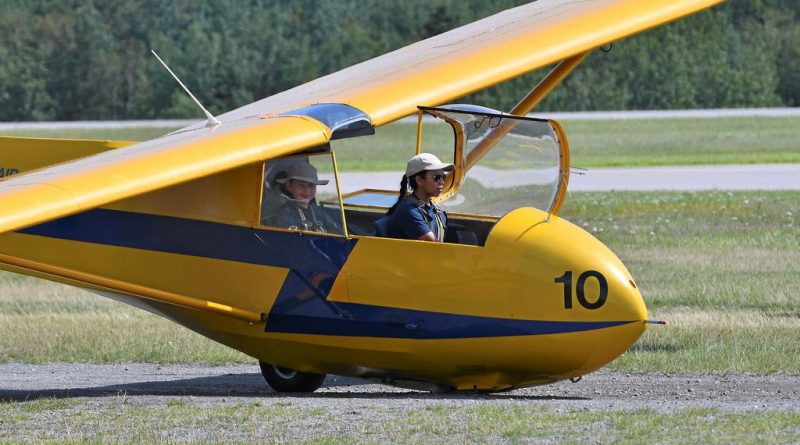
point(301, 210)
point(415, 216)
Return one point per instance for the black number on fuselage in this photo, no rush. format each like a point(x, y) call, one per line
point(566, 279)
point(580, 292)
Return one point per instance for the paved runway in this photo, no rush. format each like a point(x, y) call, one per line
point(690, 178)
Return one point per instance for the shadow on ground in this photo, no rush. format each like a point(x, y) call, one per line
point(253, 385)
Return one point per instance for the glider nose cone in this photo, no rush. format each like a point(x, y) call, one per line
point(557, 273)
point(571, 275)
point(598, 293)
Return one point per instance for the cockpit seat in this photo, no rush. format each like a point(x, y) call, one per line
point(382, 226)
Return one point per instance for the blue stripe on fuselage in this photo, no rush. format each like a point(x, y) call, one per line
point(314, 263)
point(360, 320)
point(199, 238)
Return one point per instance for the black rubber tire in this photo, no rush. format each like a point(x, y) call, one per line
point(289, 380)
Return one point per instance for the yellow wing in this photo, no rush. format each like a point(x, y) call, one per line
point(430, 72)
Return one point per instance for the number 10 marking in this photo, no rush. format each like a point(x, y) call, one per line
point(566, 279)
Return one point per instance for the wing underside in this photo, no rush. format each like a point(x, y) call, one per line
point(430, 72)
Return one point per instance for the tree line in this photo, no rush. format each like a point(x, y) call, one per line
point(89, 59)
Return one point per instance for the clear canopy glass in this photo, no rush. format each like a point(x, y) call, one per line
point(509, 161)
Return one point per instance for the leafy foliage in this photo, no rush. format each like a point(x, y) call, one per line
point(89, 59)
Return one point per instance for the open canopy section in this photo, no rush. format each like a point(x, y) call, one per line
point(505, 162)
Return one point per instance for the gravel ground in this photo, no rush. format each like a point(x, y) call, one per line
point(147, 403)
point(151, 384)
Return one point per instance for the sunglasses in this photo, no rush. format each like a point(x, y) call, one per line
point(439, 177)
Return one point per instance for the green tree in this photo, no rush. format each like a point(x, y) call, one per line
point(89, 59)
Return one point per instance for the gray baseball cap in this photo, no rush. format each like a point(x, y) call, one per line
point(303, 172)
point(426, 161)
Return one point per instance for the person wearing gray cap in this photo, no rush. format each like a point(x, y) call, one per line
point(415, 216)
point(301, 210)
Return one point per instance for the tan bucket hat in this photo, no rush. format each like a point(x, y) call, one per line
point(303, 172)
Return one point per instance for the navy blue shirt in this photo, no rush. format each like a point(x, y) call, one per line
point(407, 220)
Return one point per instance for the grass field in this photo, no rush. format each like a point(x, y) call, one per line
point(652, 142)
point(643, 142)
point(179, 421)
point(722, 268)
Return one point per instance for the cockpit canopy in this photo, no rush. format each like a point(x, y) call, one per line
point(502, 161)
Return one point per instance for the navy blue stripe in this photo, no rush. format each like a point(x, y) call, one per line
point(374, 321)
point(313, 261)
point(199, 238)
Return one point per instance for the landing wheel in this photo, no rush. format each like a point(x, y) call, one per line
point(289, 380)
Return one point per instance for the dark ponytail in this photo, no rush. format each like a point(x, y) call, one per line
point(403, 185)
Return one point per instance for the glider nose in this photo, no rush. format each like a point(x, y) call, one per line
point(596, 285)
point(596, 291)
point(574, 283)
point(576, 276)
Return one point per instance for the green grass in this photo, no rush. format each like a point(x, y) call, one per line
point(702, 250)
point(723, 268)
point(635, 142)
point(693, 219)
point(731, 140)
point(720, 341)
point(504, 422)
point(42, 321)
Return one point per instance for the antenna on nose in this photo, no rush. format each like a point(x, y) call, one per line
point(212, 121)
